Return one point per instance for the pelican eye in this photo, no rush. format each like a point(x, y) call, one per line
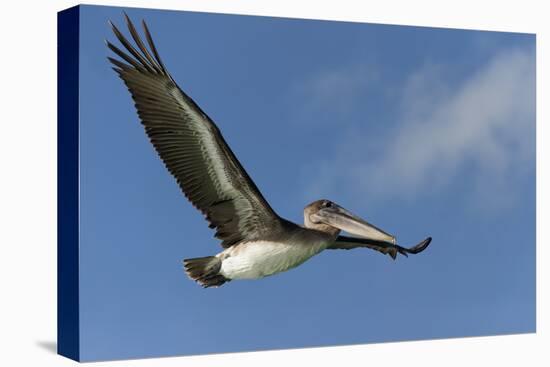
point(327, 204)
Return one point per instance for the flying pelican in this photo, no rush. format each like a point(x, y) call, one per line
point(256, 241)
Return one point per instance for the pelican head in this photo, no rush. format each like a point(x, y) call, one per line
point(327, 216)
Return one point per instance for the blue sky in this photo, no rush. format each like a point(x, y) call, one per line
point(421, 131)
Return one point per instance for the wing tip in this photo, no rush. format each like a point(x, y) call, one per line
point(427, 241)
point(141, 59)
point(421, 246)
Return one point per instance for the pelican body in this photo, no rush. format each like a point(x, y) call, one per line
point(256, 241)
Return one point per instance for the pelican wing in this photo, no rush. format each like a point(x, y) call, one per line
point(191, 145)
point(348, 243)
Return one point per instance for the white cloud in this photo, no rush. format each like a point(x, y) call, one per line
point(483, 125)
point(333, 92)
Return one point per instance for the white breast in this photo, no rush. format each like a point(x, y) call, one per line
point(258, 259)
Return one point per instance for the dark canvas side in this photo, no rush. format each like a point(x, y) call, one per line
point(67, 183)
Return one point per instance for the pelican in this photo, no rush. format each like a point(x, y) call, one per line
point(256, 241)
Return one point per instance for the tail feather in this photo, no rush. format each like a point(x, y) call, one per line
point(205, 271)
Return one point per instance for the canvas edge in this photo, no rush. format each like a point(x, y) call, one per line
point(68, 330)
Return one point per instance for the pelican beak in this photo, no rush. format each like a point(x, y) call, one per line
point(342, 219)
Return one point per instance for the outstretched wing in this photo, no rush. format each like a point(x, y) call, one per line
point(191, 145)
point(348, 243)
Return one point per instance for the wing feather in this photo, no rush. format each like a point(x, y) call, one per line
point(387, 248)
point(191, 145)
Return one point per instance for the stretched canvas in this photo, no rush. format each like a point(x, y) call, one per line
point(213, 168)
